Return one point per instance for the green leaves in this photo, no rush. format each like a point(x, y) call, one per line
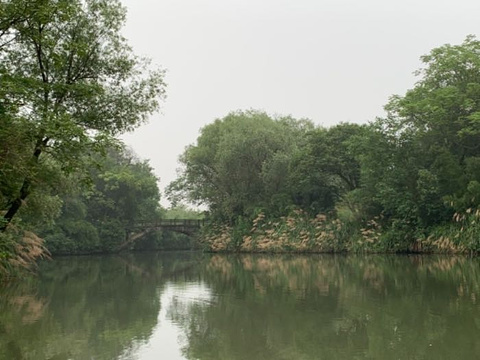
point(421, 159)
point(238, 163)
point(123, 192)
point(69, 83)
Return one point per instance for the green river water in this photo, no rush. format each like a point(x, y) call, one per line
point(203, 306)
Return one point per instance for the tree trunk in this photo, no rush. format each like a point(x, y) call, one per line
point(16, 204)
point(25, 190)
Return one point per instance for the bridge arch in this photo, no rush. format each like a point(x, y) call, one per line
point(188, 227)
point(184, 226)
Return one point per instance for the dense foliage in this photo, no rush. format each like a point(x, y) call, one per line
point(239, 164)
point(99, 218)
point(406, 182)
point(69, 84)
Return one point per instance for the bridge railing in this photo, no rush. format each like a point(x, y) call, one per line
point(173, 223)
point(181, 222)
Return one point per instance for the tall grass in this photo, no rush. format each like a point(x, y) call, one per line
point(294, 233)
point(301, 233)
point(19, 251)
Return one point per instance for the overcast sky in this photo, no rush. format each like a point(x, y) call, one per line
point(327, 60)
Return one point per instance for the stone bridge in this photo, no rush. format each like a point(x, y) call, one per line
point(185, 226)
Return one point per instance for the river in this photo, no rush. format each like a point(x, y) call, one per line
point(208, 306)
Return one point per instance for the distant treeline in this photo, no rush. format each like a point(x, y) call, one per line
point(403, 183)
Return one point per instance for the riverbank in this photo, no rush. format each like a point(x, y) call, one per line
point(300, 233)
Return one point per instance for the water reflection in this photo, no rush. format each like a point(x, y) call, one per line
point(167, 340)
point(85, 308)
point(336, 307)
point(194, 306)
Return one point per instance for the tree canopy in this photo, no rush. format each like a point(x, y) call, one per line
point(399, 182)
point(70, 83)
point(238, 162)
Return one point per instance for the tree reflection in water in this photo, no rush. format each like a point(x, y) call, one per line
point(194, 306)
point(84, 307)
point(335, 307)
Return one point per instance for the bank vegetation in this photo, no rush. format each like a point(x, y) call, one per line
point(405, 182)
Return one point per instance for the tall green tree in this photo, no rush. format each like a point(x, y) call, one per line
point(420, 163)
point(69, 84)
point(230, 168)
point(443, 114)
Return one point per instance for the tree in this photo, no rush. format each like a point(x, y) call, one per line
point(443, 114)
point(420, 164)
point(325, 168)
point(69, 84)
point(230, 168)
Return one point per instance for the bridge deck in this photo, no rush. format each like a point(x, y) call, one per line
point(172, 222)
point(186, 226)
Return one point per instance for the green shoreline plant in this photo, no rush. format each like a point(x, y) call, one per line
point(301, 233)
point(19, 251)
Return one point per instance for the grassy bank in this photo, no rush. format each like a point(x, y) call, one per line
point(301, 233)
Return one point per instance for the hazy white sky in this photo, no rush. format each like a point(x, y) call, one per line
point(326, 60)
